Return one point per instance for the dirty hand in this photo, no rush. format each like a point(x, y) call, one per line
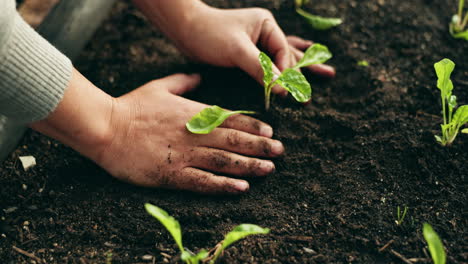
point(229, 37)
point(141, 137)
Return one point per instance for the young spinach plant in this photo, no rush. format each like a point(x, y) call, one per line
point(173, 226)
point(210, 118)
point(452, 122)
point(458, 27)
point(291, 79)
point(316, 22)
point(401, 215)
point(436, 248)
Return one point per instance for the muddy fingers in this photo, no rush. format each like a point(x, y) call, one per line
point(224, 162)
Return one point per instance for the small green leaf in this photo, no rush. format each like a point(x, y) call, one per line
point(465, 131)
point(210, 118)
point(439, 139)
point(461, 116)
point(238, 233)
point(461, 35)
point(318, 22)
point(363, 63)
point(295, 83)
point(444, 69)
point(194, 259)
point(242, 231)
point(436, 248)
point(315, 54)
point(169, 222)
point(267, 66)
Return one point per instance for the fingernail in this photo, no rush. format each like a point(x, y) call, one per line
point(330, 69)
point(325, 70)
point(266, 131)
point(267, 166)
point(195, 76)
point(277, 148)
point(241, 186)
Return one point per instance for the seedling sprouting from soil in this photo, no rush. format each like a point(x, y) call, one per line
point(436, 248)
point(316, 22)
point(109, 257)
point(401, 215)
point(291, 79)
point(363, 63)
point(452, 122)
point(210, 118)
point(173, 226)
point(458, 26)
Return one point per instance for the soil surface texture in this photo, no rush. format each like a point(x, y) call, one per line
point(362, 148)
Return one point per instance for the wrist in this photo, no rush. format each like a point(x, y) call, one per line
point(82, 119)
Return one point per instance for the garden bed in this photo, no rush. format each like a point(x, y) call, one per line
point(363, 147)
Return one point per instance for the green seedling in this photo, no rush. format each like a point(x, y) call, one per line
point(291, 79)
point(173, 226)
point(316, 22)
point(210, 118)
point(238, 233)
point(401, 215)
point(452, 122)
point(109, 257)
point(363, 63)
point(458, 27)
point(436, 248)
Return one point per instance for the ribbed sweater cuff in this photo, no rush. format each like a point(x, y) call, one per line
point(33, 75)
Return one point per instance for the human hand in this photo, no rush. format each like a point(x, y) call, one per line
point(229, 37)
point(141, 137)
point(151, 146)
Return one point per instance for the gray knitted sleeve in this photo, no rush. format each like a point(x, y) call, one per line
point(33, 73)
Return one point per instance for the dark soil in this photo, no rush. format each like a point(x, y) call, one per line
point(363, 147)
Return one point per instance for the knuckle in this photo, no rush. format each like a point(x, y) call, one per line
point(219, 160)
point(238, 48)
point(263, 13)
point(233, 138)
point(265, 147)
point(230, 121)
point(255, 124)
point(253, 166)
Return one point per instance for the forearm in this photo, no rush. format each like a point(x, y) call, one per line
point(81, 119)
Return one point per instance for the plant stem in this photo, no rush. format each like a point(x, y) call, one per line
point(451, 138)
point(450, 115)
point(267, 96)
point(444, 113)
point(444, 132)
point(465, 21)
point(216, 254)
point(461, 4)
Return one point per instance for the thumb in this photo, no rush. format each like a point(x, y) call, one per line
point(247, 60)
point(179, 83)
